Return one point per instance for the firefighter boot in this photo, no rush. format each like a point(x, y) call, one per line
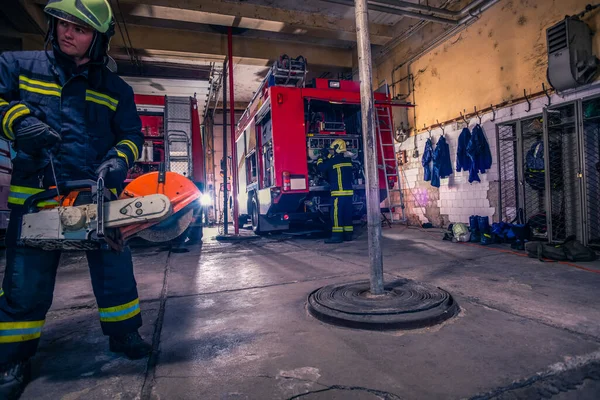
point(131, 344)
point(336, 237)
point(13, 379)
point(347, 236)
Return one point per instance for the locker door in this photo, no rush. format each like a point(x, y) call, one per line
point(564, 208)
point(591, 171)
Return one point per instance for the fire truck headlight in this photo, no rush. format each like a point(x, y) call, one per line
point(205, 200)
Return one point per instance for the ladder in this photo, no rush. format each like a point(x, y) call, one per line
point(178, 130)
point(390, 167)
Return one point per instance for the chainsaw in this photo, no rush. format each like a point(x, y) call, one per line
point(158, 207)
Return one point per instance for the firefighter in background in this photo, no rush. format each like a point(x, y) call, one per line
point(64, 103)
point(338, 170)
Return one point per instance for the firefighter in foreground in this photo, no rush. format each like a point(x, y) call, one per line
point(64, 103)
point(338, 170)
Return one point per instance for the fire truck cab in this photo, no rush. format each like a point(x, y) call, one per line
point(278, 141)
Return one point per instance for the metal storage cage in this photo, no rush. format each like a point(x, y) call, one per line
point(591, 171)
point(549, 172)
point(506, 135)
point(563, 172)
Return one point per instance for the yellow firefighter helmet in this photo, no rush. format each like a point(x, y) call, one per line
point(338, 145)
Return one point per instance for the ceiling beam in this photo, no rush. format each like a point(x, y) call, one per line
point(254, 26)
point(254, 16)
point(159, 70)
point(163, 39)
point(172, 23)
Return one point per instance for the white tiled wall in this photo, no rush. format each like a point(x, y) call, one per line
point(457, 199)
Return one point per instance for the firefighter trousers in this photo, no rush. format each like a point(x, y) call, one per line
point(28, 286)
point(341, 217)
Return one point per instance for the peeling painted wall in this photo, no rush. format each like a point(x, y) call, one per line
point(490, 62)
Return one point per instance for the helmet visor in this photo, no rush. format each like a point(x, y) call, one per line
point(68, 17)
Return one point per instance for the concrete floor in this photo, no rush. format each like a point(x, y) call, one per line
point(230, 322)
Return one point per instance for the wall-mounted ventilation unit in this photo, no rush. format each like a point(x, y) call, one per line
point(571, 62)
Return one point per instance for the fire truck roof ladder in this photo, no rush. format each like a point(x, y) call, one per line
point(390, 166)
point(288, 72)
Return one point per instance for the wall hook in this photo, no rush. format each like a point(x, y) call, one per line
point(528, 101)
point(547, 95)
point(428, 130)
point(477, 114)
point(465, 118)
point(493, 112)
point(442, 127)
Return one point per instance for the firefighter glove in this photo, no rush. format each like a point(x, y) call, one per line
point(32, 135)
point(115, 170)
point(324, 152)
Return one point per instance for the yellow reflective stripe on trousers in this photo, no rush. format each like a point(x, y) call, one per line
point(13, 332)
point(102, 99)
point(348, 229)
point(3, 102)
point(337, 193)
point(10, 117)
point(40, 87)
point(336, 223)
point(120, 313)
point(18, 195)
point(132, 147)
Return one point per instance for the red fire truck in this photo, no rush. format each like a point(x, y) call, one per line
point(171, 127)
point(278, 141)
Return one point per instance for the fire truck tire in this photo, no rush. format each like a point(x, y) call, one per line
point(255, 216)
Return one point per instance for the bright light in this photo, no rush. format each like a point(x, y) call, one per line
point(205, 200)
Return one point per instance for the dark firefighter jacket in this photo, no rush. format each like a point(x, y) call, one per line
point(480, 154)
point(442, 166)
point(339, 174)
point(426, 160)
point(463, 161)
point(92, 109)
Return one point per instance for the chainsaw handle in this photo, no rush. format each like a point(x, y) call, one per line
point(102, 174)
point(31, 202)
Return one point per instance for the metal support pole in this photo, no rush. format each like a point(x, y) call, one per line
point(225, 192)
point(234, 163)
point(369, 145)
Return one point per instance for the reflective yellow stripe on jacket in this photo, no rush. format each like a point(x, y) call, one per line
point(39, 87)
point(13, 113)
point(337, 193)
point(102, 99)
point(18, 195)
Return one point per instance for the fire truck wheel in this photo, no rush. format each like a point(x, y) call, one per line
point(255, 216)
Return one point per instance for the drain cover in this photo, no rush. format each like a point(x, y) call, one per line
point(405, 304)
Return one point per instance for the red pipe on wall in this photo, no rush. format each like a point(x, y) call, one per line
point(234, 163)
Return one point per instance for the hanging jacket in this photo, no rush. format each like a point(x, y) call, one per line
point(426, 160)
point(463, 162)
point(442, 166)
point(480, 154)
point(91, 107)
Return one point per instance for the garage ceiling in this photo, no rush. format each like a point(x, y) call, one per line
point(178, 46)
